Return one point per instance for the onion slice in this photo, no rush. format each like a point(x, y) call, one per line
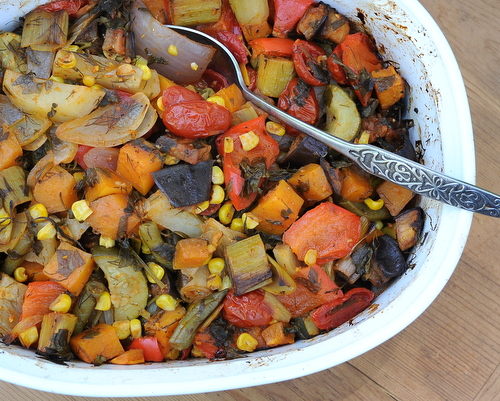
point(153, 38)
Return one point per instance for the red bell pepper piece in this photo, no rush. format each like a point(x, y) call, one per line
point(286, 15)
point(279, 47)
point(150, 347)
point(266, 151)
point(335, 313)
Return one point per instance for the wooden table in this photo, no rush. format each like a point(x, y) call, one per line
point(452, 351)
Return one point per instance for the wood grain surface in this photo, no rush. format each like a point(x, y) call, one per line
point(452, 351)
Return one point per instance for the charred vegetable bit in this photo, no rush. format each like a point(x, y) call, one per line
point(149, 213)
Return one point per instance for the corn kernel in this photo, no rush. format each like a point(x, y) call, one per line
point(217, 175)
point(167, 302)
point(226, 213)
point(196, 352)
point(228, 144)
point(374, 205)
point(237, 225)
point(104, 302)
point(311, 257)
point(250, 220)
point(170, 160)
point(48, 231)
point(106, 242)
point(226, 283)
point(61, 304)
point(364, 138)
point(218, 195)
point(68, 61)
point(249, 140)
point(79, 176)
point(194, 66)
point(217, 100)
point(135, 328)
point(146, 72)
point(57, 79)
point(97, 87)
point(379, 224)
point(157, 270)
point(122, 328)
point(214, 282)
point(201, 207)
point(216, 265)
point(81, 210)
point(246, 342)
point(140, 61)
point(38, 212)
point(5, 218)
point(88, 80)
point(172, 50)
point(275, 128)
point(124, 70)
point(159, 104)
point(20, 274)
point(29, 336)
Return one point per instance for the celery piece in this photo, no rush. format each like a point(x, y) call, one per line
point(274, 74)
point(194, 12)
point(248, 264)
point(45, 31)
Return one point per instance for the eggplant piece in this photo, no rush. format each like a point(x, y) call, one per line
point(333, 174)
point(305, 150)
point(188, 150)
point(388, 256)
point(408, 227)
point(185, 184)
point(312, 20)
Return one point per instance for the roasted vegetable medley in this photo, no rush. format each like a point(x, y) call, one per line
point(150, 213)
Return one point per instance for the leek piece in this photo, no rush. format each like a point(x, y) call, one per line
point(162, 252)
point(274, 74)
point(55, 333)
point(12, 56)
point(278, 310)
point(30, 127)
point(45, 31)
point(194, 12)
point(13, 188)
point(252, 17)
point(86, 302)
point(282, 282)
point(248, 265)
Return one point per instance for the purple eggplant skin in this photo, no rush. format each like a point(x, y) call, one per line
point(388, 256)
point(185, 184)
point(305, 151)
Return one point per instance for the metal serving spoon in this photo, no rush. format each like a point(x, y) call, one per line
point(376, 161)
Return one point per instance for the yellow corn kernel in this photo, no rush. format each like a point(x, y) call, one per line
point(157, 270)
point(48, 231)
point(140, 61)
point(311, 257)
point(249, 140)
point(214, 282)
point(250, 220)
point(170, 160)
point(88, 80)
point(29, 336)
point(146, 72)
point(135, 328)
point(226, 213)
point(275, 128)
point(81, 210)
point(5, 218)
point(97, 87)
point(196, 352)
point(201, 207)
point(20, 274)
point(194, 66)
point(228, 144)
point(106, 242)
point(38, 212)
point(167, 302)
point(237, 225)
point(104, 302)
point(379, 224)
point(172, 50)
point(226, 283)
point(217, 100)
point(79, 176)
point(122, 328)
point(364, 138)
point(68, 61)
point(159, 104)
point(374, 205)
point(57, 79)
point(61, 304)
point(218, 195)
point(124, 70)
point(217, 175)
point(246, 342)
point(216, 265)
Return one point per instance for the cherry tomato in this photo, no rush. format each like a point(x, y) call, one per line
point(80, 153)
point(71, 6)
point(196, 119)
point(333, 63)
point(101, 157)
point(213, 79)
point(206, 343)
point(299, 100)
point(150, 346)
point(308, 59)
point(246, 310)
point(177, 94)
point(335, 313)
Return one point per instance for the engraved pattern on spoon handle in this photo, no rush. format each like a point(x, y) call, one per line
point(427, 182)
